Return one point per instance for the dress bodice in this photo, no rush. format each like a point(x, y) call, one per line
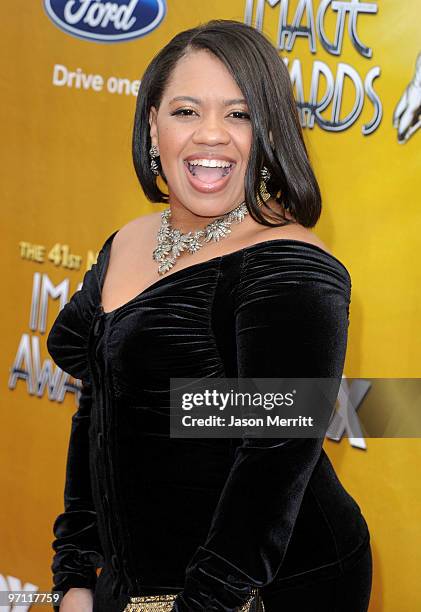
point(213, 517)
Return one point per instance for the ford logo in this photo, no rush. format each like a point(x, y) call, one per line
point(110, 22)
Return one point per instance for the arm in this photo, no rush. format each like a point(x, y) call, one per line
point(77, 546)
point(77, 549)
point(284, 329)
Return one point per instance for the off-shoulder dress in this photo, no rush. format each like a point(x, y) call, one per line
point(210, 518)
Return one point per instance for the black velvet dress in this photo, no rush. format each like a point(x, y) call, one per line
point(208, 517)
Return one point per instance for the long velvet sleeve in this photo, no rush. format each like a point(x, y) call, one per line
point(77, 549)
point(77, 546)
point(258, 506)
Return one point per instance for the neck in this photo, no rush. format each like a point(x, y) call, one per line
point(186, 221)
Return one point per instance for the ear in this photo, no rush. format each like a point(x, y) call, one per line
point(153, 126)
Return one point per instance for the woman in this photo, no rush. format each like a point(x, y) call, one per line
point(256, 294)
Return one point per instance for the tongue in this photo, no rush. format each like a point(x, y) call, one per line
point(208, 175)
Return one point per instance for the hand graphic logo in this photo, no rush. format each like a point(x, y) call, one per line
point(407, 115)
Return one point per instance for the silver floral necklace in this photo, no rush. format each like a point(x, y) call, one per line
point(172, 242)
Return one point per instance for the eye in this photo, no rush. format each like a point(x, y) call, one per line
point(187, 112)
point(183, 110)
point(244, 115)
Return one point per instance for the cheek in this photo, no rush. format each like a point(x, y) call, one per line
point(173, 135)
point(172, 145)
point(244, 142)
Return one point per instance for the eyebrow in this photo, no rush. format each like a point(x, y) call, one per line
point(197, 101)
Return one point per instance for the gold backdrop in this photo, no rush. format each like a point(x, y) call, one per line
point(68, 183)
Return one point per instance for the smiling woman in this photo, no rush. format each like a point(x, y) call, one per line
point(221, 524)
point(209, 138)
point(245, 110)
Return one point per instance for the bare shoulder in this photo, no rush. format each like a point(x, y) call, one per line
point(296, 232)
point(134, 231)
point(293, 231)
point(299, 232)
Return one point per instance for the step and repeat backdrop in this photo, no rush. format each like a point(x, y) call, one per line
point(70, 73)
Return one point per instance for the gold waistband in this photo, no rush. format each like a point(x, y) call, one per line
point(164, 603)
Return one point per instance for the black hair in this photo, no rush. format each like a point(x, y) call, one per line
point(264, 81)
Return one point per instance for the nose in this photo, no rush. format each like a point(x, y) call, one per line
point(211, 131)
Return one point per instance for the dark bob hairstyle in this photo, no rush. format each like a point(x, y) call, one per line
point(264, 80)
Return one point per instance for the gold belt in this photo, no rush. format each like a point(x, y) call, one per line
point(164, 603)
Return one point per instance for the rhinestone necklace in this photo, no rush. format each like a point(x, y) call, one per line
point(172, 242)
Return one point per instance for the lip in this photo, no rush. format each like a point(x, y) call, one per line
point(207, 187)
point(200, 155)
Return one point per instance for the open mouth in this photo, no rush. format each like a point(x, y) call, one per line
point(208, 179)
point(207, 174)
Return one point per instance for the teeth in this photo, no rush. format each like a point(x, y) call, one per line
point(210, 163)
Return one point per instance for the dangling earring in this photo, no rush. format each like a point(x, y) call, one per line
point(265, 176)
point(154, 152)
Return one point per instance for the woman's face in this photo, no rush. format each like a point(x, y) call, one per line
point(213, 124)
